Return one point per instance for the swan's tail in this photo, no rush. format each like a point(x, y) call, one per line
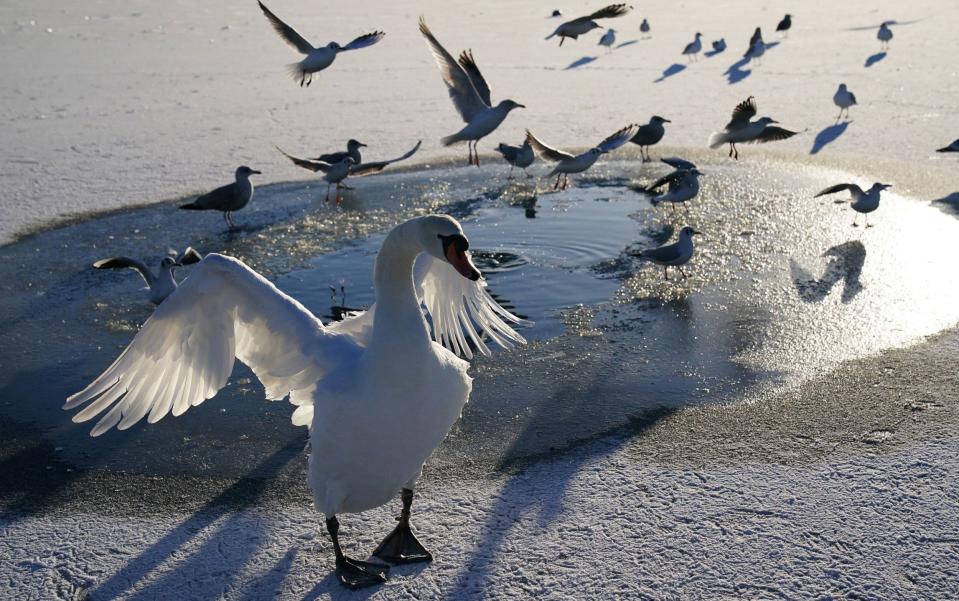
point(450, 140)
point(718, 139)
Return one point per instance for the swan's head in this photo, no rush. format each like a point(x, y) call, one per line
point(442, 237)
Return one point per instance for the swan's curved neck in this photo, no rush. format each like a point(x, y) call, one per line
point(398, 313)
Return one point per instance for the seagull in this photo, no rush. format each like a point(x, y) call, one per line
point(577, 27)
point(650, 135)
point(378, 391)
point(954, 147)
point(567, 163)
point(557, 13)
point(756, 51)
point(719, 45)
point(644, 28)
point(316, 59)
point(470, 95)
point(608, 39)
point(682, 185)
point(352, 151)
point(740, 130)
point(335, 173)
point(693, 48)
point(517, 156)
point(676, 254)
point(161, 285)
point(756, 37)
point(862, 202)
point(785, 25)
point(678, 163)
point(844, 99)
point(884, 34)
point(228, 198)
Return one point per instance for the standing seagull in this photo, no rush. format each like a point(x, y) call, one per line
point(676, 254)
point(844, 99)
point(756, 51)
point(862, 202)
point(681, 185)
point(577, 27)
point(693, 48)
point(517, 156)
point(567, 163)
point(352, 151)
point(608, 39)
point(719, 45)
point(228, 198)
point(470, 95)
point(954, 147)
point(316, 59)
point(884, 35)
point(650, 135)
point(644, 29)
point(756, 37)
point(740, 130)
point(162, 284)
point(785, 25)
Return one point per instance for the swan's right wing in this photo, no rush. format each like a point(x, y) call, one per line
point(184, 352)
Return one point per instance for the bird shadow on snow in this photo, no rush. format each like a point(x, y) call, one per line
point(844, 264)
point(219, 558)
point(627, 43)
point(827, 135)
point(735, 73)
point(875, 58)
point(669, 71)
point(581, 62)
point(712, 53)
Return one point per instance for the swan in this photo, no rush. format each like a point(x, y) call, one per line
point(379, 391)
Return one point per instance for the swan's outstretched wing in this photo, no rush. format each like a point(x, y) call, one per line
point(546, 151)
point(184, 353)
point(462, 309)
point(289, 35)
point(377, 166)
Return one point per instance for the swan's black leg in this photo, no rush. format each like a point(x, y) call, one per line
point(352, 573)
point(401, 546)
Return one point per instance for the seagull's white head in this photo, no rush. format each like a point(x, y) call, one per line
point(880, 186)
point(766, 120)
point(244, 171)
point(688, 232)
point(334, 46)
point(698, 35)
point(442, 237)
point(510, 105)
point(658, 119)
point(594, 25)
point(354, 144)
point(596, 151)
point(842, 87)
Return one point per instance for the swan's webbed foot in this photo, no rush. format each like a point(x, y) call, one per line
point(355, 574)
point(401, 545)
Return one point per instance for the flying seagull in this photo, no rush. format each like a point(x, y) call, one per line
point(335, 173)
point(681, 185)
point(693, 48)
point(785, 25)
point(470, 95)
point(608, 39)
point(352, 151)
point(650, 135)
point(844, 99)
point(862, 202)
point(517, 156)
point(577, 27)
point(567, 163)
point(316, 59)
point(162, 284)
point(228, 198)
point(740, 130)
point(644, 28)
point(954, 147)
point(884, 35)
point(676, 254)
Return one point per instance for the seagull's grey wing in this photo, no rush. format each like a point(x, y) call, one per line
point(509, 152)
point(370, 168)
point(663, 254)
point(476, 78)
point(286, 32)
point(678, 163)
point(464, 96)
point(954, 147)
point(189, 257)
point(853, 98)
point(669, 178)
point(617, 139)
point(364, 41)
point(608, 12)
point(216, 199)
point(547, 152)
point(771, 134)
point(743, 112)
point(839, 188)
point(306, 163)
point(331, 158)
point(126, 262)
point(644, 135)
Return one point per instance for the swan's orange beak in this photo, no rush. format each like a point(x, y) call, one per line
point(462, 262)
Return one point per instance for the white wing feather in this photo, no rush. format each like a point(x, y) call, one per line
point(184, 353)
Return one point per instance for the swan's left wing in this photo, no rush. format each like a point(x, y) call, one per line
point(462, 311)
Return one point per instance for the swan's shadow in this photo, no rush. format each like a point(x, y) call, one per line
point(581, 62)
point(875, 58)
point(671, 70)
point(828, 135)
point(844, 265)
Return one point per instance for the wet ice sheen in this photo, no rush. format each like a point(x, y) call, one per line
point(782, 288)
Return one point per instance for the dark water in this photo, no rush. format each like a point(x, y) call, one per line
point(782, 288)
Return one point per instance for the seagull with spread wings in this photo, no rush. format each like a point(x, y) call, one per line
point(567, 163)
point(470, 95)
point(517, 156)
point(316, 59)
point(741, 130)
point(864, 202)
point(346, 166)
point(681, 185)
point(352, 151)
point(577, 27)
point(162, 284)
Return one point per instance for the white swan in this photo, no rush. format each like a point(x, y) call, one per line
point(378, 392)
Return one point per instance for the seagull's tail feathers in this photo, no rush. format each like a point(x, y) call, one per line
point(718, 139)
point(297, 72)
point(192, 206)
point(450, 140)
